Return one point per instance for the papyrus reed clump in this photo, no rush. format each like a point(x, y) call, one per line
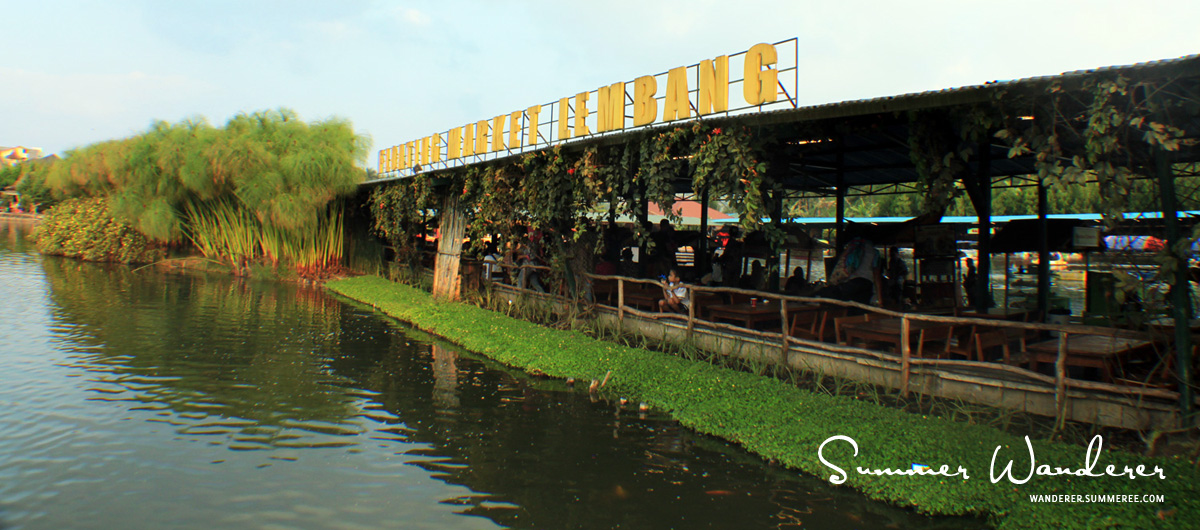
point(263, 187)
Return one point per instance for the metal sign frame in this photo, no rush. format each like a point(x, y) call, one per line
point(787, 87)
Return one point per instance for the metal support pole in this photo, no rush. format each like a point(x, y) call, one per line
point(905, 356)
point(1180, 290)
point(701, 252)
point(777, 219)
point(841, 198)
point(983, 284)
point(1043, 269)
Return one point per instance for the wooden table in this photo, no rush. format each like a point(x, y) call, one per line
point(749, 315)
point(1167, 325)
point(641, 295)
point(887, 330)
point(999, 313)
point(1088, 351)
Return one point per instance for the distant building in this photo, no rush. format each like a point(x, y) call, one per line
point(10, 156)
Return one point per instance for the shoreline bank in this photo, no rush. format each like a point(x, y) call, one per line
point(784, 423)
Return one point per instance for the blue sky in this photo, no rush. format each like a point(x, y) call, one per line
point(79, 72)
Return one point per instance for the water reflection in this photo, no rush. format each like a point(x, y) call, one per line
point(205, 347)
point(445, 376)
point(144, 399)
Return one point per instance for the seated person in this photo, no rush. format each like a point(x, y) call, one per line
point(856, 276)
point(757, 278)
point(627, 267)
point(675, 295)
point(771, 282)
point(606, 267)
point(715, 277)
point(491, 263)
point(529, 278)
point(796, 283)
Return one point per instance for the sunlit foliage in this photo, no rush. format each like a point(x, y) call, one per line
point(267, 172)
point(85, 228)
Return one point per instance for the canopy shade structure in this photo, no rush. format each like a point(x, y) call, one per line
point(688, 210)
point(1021, 236)
point(1146, 243)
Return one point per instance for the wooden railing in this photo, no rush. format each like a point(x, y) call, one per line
point(907, 360)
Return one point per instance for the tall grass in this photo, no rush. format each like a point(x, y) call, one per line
point(225, 231)
point(222, 230)
point(318, 252)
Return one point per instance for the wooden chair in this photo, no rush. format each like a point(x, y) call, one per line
point(961, 341)
point(987, 340)
point(605, 291)
point(702, 300)
point(941, 336)
point(1161, 375)
point(807, 325)
point(840, 322)
point(739, 298)
point(826, 330)
point(642, 296)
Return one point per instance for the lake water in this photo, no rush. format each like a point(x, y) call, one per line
point(145, 399)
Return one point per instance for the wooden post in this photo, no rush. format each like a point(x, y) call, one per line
point(446, 280)
point(620, 300)
point(905, 356)
point(783, 316)
point(1060, 383)
point(691, 326)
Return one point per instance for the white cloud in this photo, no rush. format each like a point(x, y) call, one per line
point(60, 111)
point(95, 95)
point(335, 29)
point(412, 16)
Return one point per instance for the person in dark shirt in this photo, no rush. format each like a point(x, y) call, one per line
point(797, 282)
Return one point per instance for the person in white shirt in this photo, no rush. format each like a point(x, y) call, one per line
point(491, 263)
point(675, 295)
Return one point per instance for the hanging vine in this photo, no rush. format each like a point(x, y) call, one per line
point(728, 162)
point(1122, 122)
point(663, 160)
point(1106, 131)
point(939, 156)
point(399, 212)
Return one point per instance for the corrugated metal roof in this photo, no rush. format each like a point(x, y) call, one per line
point(967, 219)
point(884, 165)
point(956, 95)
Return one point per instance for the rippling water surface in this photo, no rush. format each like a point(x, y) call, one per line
point(143, 399)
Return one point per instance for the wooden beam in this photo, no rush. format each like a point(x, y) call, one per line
point(452, 224)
